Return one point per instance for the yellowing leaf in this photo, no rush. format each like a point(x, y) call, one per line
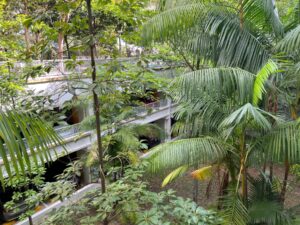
point(203, 173)
point(174, 174)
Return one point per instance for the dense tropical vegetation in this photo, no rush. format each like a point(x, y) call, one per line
point(232, 70)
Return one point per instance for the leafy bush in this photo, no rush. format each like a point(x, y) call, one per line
point(296, 171)
point(128, 201)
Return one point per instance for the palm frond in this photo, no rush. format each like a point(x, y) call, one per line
point(283, 142)
point(202, 173)
point(241, 48)
point(189, 152)
point(291, 42)
point(264, 14)
point(274, 215)
point(262, 76)
point(171, 22)
point(230, 82)
point(245, 116)
point(24, 140)
point(234, 212)
point(174, 174)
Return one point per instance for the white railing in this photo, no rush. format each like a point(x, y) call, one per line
point(66, 67)
point(147, 108)
point(140, 111)
point(68, 131)
point(73, 130)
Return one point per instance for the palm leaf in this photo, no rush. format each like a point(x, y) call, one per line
point(283, 142)
point(24, 140)
point(189, 152)
point(169, 23)
point(234, 212)
point(202, 173)
point(215, 82)
point(275, 215)
point(247, 115)
point(291, 42)
point(262, 76)
point(242, 48)
point(174, 174)
point(263, 14)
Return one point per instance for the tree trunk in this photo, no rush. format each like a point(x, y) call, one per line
point(224, 184)
point(96, 101)
point(223, 187)
point(30, 220)
point(60, 42)
point(95, 97)
point(67, 46)
point(243, 169)
point(271, 171)
point(26, 31)
point(195, 188)
point(285, 180)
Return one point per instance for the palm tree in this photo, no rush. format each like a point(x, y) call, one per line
point(219, 115)
point(219, 108)
point(25, 140)
point(217, 33)
point(124, 145)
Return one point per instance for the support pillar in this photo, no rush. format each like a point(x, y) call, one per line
point(86, 174)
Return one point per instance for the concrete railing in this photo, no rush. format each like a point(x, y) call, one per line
point(38, 217)
point(66, 67)
point(67, 132)
point(140, 111)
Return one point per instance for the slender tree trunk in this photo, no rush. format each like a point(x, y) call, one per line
point(195, 190)
point(223, 187)
point(26, 31)
point(208, 188)
point(271, 171)
point(96, 101)
point(195, 187)
point(95, 98)
point(224, 184)
point(243, 169)
point(285, 179)
point(120, 45)
point(60, 42)
point(67, 46)
point(30, 220)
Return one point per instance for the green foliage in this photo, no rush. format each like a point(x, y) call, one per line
point(234, 211)
point(216, 33)
point(129, 201)
point(296, 171)
point(262, 76)
point(190, 152)
point(31, 190)
point(33, 146)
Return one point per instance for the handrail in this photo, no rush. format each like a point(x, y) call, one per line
point(59, 67)
point(72, 130)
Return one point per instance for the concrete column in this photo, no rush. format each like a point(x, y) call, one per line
point(167, 124)
point(167, 127)
point(86, 174)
